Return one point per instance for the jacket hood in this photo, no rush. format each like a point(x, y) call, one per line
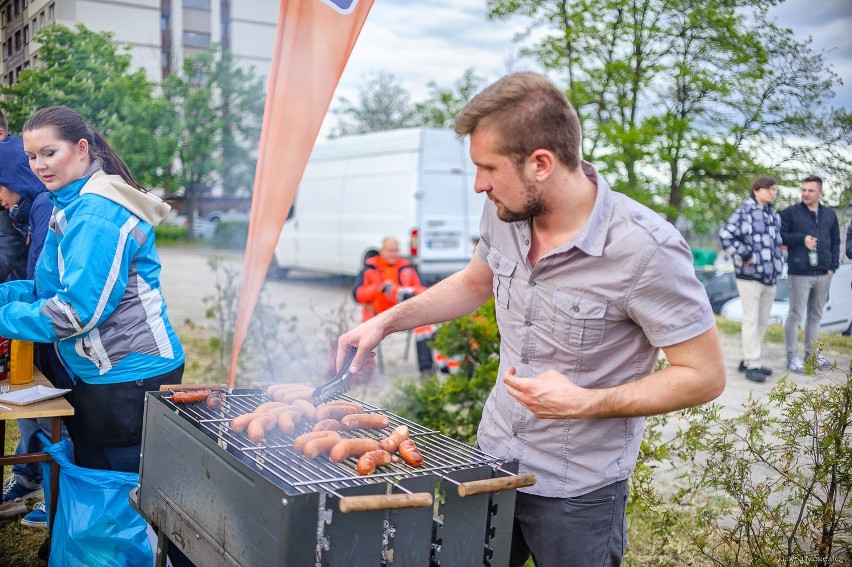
point(15, 172)
point(146, 206)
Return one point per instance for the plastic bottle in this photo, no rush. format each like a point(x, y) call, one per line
point(21, 365)
point(813, 257)
point(5, 346)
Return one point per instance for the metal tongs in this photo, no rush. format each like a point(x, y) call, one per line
point(340, 383)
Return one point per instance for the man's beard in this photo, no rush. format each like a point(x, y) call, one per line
point(534, 206)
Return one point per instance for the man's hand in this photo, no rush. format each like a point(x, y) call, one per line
point(365, 337)
point(551, 395)
point(404, 293)
point(387, 289)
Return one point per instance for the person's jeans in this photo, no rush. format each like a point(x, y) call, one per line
point(585, 531)
point(808, 295)
point(29, 474)
point(757, 300)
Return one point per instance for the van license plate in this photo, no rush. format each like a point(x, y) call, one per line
point(442, 243)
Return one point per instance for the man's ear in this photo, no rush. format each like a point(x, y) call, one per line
point(541, 164)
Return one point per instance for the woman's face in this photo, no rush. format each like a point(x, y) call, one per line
point(56, 162)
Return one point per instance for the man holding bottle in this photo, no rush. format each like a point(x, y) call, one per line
point(812, 236)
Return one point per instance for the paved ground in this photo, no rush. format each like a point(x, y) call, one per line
point(321, 304)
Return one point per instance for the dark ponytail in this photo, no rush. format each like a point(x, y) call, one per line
point(71, 127)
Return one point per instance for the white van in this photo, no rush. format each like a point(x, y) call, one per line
point(414, 183)
point(836, 317)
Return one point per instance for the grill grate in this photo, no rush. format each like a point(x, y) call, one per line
point(275, 458)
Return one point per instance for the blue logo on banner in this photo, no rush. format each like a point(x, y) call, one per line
point(342, 6)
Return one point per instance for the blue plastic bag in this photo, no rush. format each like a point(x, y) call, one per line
point(95, 524)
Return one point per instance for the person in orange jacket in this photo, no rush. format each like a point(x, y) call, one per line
point(386, 280)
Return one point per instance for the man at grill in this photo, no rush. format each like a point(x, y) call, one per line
point(589, 285)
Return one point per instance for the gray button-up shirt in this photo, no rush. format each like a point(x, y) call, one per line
point(596, 309)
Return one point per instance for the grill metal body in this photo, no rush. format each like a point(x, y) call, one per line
point(225, 501)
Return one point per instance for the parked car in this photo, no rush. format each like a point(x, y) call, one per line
point(721, 287)
point(837, 317)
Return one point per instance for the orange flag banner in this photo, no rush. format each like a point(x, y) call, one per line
point(313, 41)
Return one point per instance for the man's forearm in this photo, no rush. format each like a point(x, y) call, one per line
point(449, 299)
point(696, 376)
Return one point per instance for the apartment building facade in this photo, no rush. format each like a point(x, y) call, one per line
point(158, 33)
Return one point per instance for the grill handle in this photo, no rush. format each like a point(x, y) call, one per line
point(385, 502)
point(495, 484)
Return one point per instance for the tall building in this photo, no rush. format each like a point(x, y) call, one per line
point(159, 33)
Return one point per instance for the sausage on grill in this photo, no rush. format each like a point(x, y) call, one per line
point(321, 446)
point(410, 454)
point(369, 461)
point(306, 408)
point(241, 422)
point(275, 388)
point(287, 421)
point(214, 400)
point(365, 421)
point(190, 396)
point(302, 440)
point(292, 395)
point(258, 427)
point(327, 425)
point(336, 411)
point(392, 441)
point(352, 448)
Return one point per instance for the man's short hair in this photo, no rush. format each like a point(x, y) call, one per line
point(527, 112)
point(813, 178)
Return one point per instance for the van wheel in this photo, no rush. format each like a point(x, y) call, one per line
point(848, 331)
point(276, 271)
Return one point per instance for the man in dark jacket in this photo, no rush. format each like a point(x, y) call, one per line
point(13, 251)
point(812, 236)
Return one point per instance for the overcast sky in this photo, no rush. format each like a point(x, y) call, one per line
point(439, 39)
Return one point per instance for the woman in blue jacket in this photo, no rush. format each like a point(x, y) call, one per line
point(96, 290)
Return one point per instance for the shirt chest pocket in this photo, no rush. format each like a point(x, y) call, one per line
point(578, 320)
point(504, 270)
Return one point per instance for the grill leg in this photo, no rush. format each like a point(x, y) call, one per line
point(162, 549)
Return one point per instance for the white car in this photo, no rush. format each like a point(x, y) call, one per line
point(837, 317)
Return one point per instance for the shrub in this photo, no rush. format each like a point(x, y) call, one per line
point(167, 234)
point(453, 404)
point(773, 485)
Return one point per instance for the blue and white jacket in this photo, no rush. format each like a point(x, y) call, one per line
point(754, 231)
point(97, 285)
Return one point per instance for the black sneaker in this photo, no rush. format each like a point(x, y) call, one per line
point(755, 374)
point(766, 371)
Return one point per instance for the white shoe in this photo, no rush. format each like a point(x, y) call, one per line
point(795, 365)
point(823, 362)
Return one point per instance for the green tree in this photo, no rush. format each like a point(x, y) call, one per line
point(441, 109)
point(383, 104)
point(86, 71)
point(218, 112)
point(682, 101)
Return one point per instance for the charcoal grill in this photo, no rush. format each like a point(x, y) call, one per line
point(224, 500)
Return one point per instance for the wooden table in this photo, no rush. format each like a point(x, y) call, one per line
point(54, 408)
